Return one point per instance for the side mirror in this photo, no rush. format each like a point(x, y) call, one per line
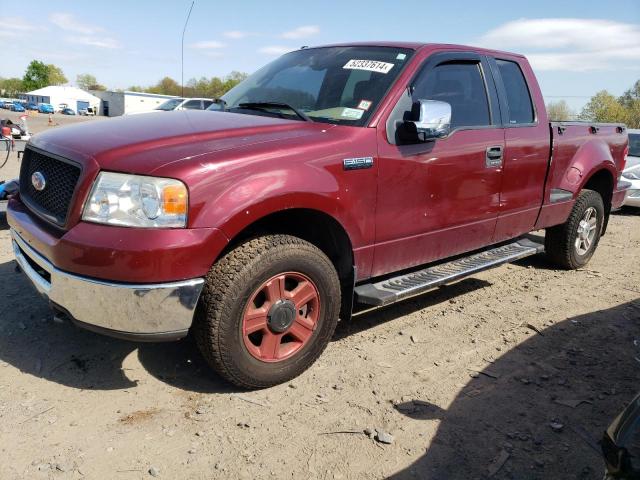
point(434, 120)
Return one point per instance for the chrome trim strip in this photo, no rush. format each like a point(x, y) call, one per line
point(127, 308)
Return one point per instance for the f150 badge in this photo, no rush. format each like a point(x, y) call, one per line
point(357, 163)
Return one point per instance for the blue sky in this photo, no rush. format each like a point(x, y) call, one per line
point(576, 47)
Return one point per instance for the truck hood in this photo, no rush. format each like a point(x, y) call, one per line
point(144, 143)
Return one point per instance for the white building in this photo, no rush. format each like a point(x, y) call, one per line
point(114, 104)
point(58, 96)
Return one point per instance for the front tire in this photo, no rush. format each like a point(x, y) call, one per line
point(572, 244)
point(268, 309)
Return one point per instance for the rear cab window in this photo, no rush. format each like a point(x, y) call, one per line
point(519, 104)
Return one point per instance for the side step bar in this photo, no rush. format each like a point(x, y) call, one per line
point(398, 288)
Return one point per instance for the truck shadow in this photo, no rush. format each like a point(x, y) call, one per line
point(578, 375)
point(628, 212)
point(363, 320)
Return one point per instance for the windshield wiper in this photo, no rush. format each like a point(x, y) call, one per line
point(264, 106)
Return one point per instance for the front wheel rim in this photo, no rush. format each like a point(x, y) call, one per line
point(280, 317)
point(586, 232)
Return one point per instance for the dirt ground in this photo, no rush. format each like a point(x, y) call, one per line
point(511, 374)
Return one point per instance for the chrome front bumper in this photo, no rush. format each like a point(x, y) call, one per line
point(151, 312)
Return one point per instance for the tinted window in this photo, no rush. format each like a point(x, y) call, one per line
point(207, 103)
point(300, 79)
point(460, 85)
point(357, 79)
point(193, 105)
point(518, 96)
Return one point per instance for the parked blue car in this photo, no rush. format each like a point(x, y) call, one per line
point(17, 107)
point(31, 106)
point(45, 108)
point(68, 111)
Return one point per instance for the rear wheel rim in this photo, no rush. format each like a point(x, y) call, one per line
point(280, 317)
point(586, 232)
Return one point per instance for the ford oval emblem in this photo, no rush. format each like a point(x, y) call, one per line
point(38, 181)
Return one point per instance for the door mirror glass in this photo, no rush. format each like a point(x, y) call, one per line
point(433, 120)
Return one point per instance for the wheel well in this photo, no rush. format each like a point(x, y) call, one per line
point(315, 227)
point(602, 182)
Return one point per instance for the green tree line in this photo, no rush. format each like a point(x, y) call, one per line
point(39, 74)
point(603, 107)
point(213, 87)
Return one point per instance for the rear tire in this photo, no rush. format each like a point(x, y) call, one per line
point(243, 287)
point(572, 244)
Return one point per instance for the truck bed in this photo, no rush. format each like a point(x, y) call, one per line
point(575, 148)
point(568, 138)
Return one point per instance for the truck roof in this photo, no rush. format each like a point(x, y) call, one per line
point(419, 46)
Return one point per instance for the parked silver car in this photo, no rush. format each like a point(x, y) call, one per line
point(185, 104)
point(631, 172)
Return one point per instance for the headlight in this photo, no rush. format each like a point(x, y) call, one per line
point(137, 201)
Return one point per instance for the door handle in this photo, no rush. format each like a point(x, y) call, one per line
point(493, 158)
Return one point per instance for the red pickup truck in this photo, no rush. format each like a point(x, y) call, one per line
point(338, 176)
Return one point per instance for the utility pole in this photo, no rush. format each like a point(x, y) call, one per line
point(182, 57)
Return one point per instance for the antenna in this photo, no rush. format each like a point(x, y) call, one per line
point(182, 46)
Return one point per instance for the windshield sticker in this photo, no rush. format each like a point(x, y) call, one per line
point(370, 65)
point(401, 56)
point(352, 113)
point(365, 104)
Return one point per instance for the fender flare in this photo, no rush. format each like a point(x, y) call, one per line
point(591, 158)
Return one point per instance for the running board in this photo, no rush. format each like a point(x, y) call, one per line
point(398, 288)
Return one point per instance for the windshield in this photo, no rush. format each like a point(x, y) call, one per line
point(170, 104)
point(634, 144)
point(333, 84)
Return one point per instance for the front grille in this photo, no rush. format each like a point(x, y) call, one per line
point(61, 177)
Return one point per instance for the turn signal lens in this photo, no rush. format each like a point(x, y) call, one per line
point(174, 199)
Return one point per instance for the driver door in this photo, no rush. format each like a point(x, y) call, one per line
point(440, 198)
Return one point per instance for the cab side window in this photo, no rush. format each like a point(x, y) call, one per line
point(462, 86)
point(517, 91)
